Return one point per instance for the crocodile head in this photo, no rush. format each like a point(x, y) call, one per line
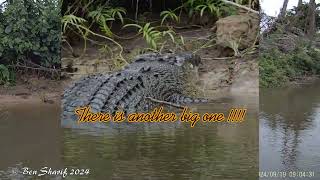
point(185, 66)
point(187, 58)
point(189, 64)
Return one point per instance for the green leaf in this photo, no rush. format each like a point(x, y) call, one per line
point(134, 25)
point(182, 40)
point(170, 33)
point(120, 17)
point(164, 18)
point(202, 10)
point(8, 29)
point(154, 45)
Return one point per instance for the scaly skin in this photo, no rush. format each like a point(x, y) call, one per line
point(161, 77)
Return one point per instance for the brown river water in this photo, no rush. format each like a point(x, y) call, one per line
point(288, 124)
point(289, 141)
point(31, 137)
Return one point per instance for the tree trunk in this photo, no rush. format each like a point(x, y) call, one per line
point(300, 9)
point(311, 19)
point(283, 9)
point(137, 10)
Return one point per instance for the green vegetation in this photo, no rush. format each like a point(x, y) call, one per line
point(6, 76)
point(151, 35)
point(214, 8)
point(169, 14)
point(29, 38)
point(92, 20)
point(287, 54)
point(278, 68)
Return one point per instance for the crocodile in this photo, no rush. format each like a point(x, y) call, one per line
point(163, 77)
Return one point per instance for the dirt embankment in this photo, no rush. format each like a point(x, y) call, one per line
point(31, 90)
point(237, 77)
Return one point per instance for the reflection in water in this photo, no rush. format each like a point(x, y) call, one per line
point(31, 137)
point(289, 129)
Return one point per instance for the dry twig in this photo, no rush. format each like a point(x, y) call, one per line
point(164, 102)
point(240, 6)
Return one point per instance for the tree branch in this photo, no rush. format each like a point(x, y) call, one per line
point(165, 102)
point(240, 6)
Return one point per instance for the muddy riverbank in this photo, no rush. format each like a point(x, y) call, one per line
point(31, 90)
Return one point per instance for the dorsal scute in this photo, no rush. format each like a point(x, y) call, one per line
point(156, 57)
point(168, 58)
point(147, 57)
